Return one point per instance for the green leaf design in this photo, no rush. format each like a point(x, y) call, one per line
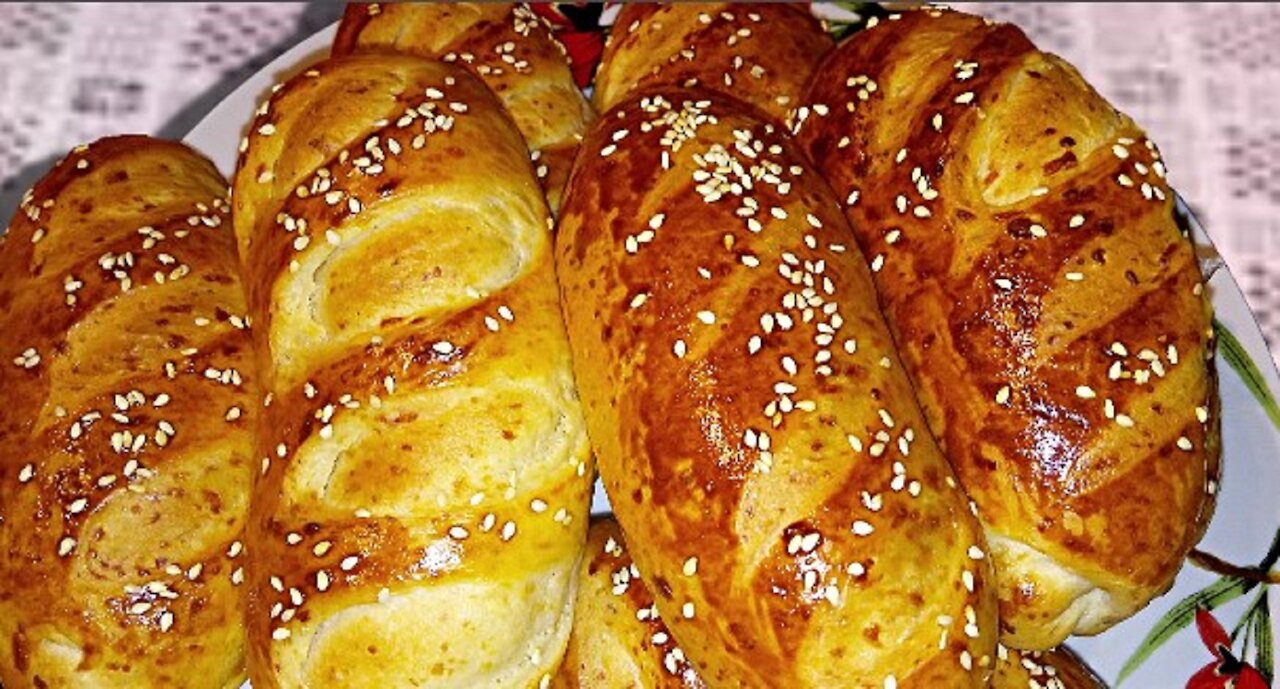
point(1262, 637)
point(1181, 616)
point(1238, 358)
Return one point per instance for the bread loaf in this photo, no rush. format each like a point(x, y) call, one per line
point(758, 53)
point(621, 641)
point(756, 434)
point(1046, 304)
point(126, 434)
point(423, 493)
point(508, 46)
point(1058, 668)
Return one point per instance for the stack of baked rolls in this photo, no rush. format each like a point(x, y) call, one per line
point(508, 46)
point(423, 493)
point(126, 436)
point(1049, 310)
point(756, 433)
point(895, 361)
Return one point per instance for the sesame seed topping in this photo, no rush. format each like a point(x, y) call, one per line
point(690, 567)
point(863, 528)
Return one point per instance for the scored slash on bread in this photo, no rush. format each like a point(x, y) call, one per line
point(126, 433)
point(1048, 309)
point(425, 479)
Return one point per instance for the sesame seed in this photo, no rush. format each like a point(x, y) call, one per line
point(706, 317)
point(65, 546)
point(1202, 414)
point(1085, 392)
point(538, 506)
point(349, 563)
point(322, 581)
point(687, 610)
point(1002, 395)
point(1075, 277)
point(1185, 444)
point(965, 98)
point(1120, 151)
point(1077, 220)
point(863, 528)
point(975, 553)
point(690, 567)
point(280, 633)
point(1124, 421)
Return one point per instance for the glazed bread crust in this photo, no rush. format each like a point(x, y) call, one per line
point(758, 53)
point(126, 434)
point(508, 46)
point(1057, 668)
point(424, 487)
point(1047, 306)
point(620, 640)
point(756, 434)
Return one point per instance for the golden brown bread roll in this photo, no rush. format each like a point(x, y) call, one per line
point(620, 640)
point(1050, 312)
point(424, 490)
point(758, 53)
point(126, 435)
point(757, 436)
point(1058, 668)
point(508, 46)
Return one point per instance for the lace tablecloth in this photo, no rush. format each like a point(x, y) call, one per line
point(1204, 79)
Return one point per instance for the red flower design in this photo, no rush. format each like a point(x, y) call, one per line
point(1226, 671)
point(585, 48)
point(577, 25)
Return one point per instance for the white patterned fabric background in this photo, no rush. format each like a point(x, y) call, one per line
point(1204, 79)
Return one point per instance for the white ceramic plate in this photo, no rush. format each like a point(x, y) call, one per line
point(1248, 512)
